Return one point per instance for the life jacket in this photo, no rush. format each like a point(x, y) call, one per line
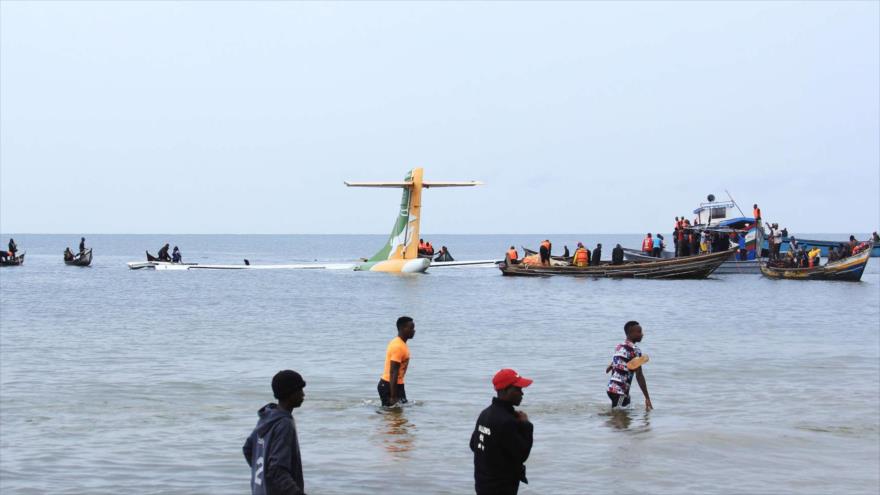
point(512, 254)
point(429, 248)
point(647, 244)
point(757, 213)
point(581, 257)
point(546, 244)
point(533, 260)
point(422, 248)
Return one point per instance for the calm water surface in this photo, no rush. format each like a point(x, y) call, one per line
point(117, 381)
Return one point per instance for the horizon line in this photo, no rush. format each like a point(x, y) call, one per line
point(422, 234)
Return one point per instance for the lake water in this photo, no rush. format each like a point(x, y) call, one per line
point(140, 382)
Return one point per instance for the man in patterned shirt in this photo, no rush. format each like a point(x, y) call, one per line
point(621, 375)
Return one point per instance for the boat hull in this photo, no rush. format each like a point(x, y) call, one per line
point(16, 261)
point(730, 267)
point(849, 270)
point(691, 267)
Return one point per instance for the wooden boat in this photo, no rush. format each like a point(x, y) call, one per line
point(16, 261)
point(848, 269)
point(731, 266)
point(690, 267)
point(81, 259)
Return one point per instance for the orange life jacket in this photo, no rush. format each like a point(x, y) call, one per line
point(429, 248)
point(647, 244)
point(512, 254)
point(546, 244)
point(581, 257)
point(757, 213)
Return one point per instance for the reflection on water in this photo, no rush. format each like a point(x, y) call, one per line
point(622, 419)
point(397, 432)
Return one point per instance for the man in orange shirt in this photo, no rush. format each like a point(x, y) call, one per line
point(391, 389)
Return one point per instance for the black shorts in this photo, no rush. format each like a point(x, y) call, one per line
point(384, 389)
point(615, 400)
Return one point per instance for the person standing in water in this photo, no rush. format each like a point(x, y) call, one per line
point(621, 375)
point(391, 385)
point(502, 438)
point(272, 449)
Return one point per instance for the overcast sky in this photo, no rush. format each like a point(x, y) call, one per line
point(227, 117)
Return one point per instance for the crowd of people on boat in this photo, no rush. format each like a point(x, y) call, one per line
point(582, 257)
point(691, 241)
point(800, 256)
point(501, 440)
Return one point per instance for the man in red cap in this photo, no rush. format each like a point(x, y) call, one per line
point(502, 438)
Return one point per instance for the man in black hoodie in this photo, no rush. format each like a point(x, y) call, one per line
point(272, 450)
point(502, 438)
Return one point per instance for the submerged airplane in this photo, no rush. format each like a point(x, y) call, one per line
point(399, 255)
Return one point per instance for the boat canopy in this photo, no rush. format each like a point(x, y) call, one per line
point(737, 221)
point(720, 214)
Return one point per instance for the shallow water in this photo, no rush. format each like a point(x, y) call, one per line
point(119, 381)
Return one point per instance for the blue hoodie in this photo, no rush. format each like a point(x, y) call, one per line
point(272, 452)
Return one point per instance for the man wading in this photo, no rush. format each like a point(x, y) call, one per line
point(272, 450)
point(621, 375)
point(391, 389)
point(502, 438)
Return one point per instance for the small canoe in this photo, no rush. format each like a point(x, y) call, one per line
point(690, 267)
point(150, 257)
point(16, 261)
point(848, 269)
point(636, 255)
point(81, 259)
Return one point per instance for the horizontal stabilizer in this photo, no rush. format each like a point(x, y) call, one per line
point(380, 184)
point(452, 184)
point(409, 184)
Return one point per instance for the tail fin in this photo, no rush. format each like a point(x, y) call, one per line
point(403, 243)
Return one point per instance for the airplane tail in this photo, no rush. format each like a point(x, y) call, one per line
point(403, 243)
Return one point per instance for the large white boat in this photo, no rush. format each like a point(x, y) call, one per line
point(722, 218)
